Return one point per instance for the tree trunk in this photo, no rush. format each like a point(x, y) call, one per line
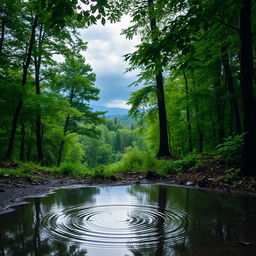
point(23, 83)
point(188, 114)
point(163, 130)
point(39, 143)
point(37, 62)
point(231, 90)
point(22, 142)
point(164, 150)
point(13, 131)
point(248, 165)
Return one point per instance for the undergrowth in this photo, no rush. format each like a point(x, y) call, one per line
point(136, 160)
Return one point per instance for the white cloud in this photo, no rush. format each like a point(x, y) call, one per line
point(117, 104)
point(106, 47)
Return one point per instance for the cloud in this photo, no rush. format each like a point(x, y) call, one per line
point(117, 104)
point(106, 48)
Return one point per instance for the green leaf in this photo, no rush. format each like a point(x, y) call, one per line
point(103, 21)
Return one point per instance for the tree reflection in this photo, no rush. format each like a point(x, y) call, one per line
point(20, 232)
point(213, 224)
point(224, 221)
point(159, 196)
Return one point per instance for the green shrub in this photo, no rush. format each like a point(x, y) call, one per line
point(177, 166)
point(136, 160)
point(230, 150)
point(133, 160)
point(99, 172)
point(230, 174)
point(76, 170)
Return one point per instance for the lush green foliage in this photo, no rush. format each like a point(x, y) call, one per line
point(144, 161)
point(230, 150)
point(206, 98)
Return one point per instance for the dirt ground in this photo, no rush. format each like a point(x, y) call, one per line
point(206, 177)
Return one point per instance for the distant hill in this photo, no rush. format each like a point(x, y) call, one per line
point(111, 111)
point(123, 119)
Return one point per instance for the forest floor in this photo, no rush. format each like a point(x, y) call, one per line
point(210, 175)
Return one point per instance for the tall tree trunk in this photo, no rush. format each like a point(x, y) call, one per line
point(188, 114)
point(231, 90)
point(164, 150)
point(37, 62)
point(23, 83)
point(39, 143)
point(22, 141)
point(248, 165)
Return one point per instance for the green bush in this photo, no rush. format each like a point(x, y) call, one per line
point(136, 160)
point(76, 170)
point(133, 160)
point(177, 166)
point(230, 150)
point(230, 175)
point(99, 172)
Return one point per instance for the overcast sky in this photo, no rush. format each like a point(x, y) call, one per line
point(106, 48)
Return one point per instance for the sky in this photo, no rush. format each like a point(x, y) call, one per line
point(106, 48)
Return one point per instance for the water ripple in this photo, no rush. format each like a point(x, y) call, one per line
point(117, 225)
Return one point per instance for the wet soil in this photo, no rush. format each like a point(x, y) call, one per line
point(209, 176)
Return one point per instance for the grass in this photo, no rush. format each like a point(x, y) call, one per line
point(133, 160)
point(136, 160)
point(17, 172)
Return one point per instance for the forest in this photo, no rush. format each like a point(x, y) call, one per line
point(194, 95)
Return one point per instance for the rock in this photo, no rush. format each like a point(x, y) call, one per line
point(6, 175)
point(113, 178)
point(152, 175)
point(202, 182)
point(137, 182)
point(190, 183)
point(243, 243)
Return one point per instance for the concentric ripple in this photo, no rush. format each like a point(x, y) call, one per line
point(117, 225)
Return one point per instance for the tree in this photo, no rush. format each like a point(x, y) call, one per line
point(247, 93)
point(75, 83)
point(150, 35)
point(55, 15)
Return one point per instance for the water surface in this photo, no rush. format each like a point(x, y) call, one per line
point(131, 220)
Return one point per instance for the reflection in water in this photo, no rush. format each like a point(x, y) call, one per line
point(145, 220)
point(160, 226)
